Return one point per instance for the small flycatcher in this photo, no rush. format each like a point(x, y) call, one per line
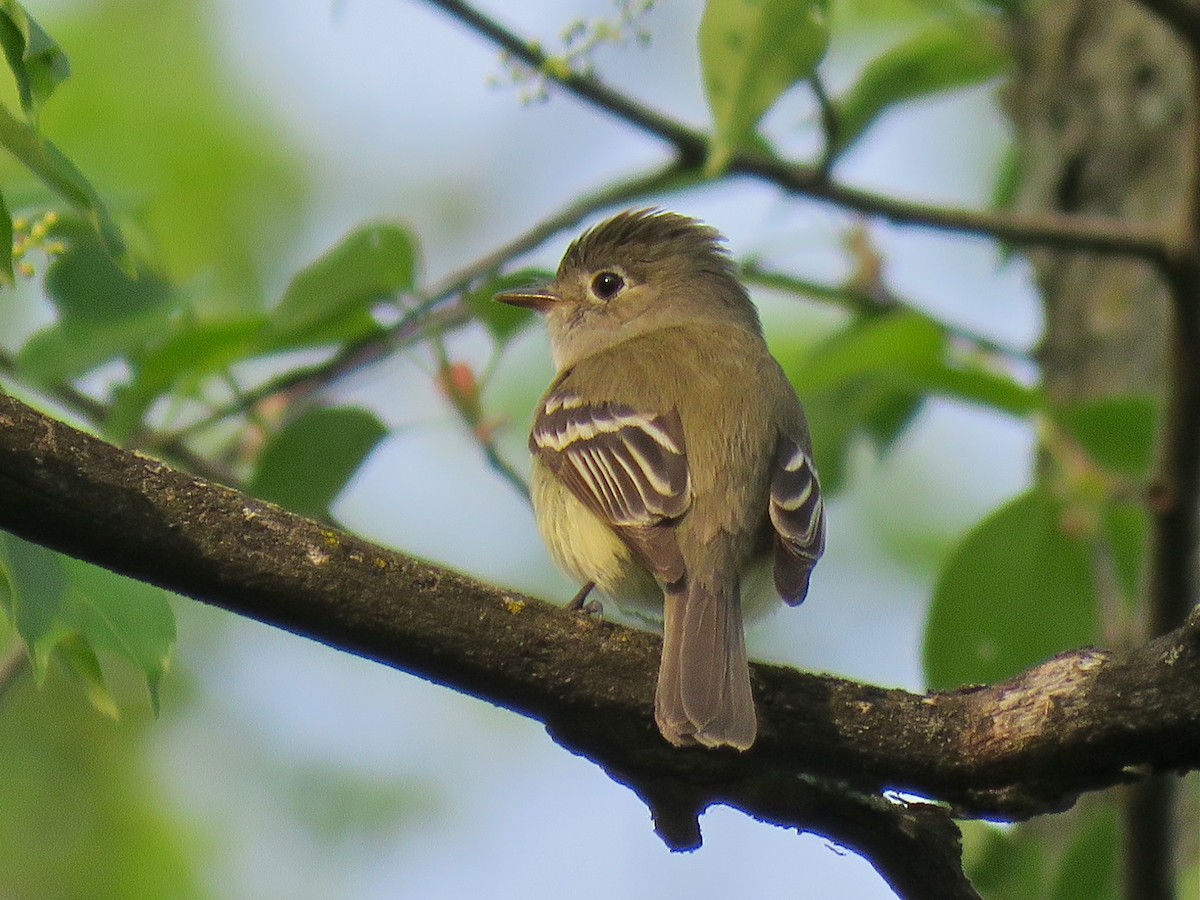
point(670, 454)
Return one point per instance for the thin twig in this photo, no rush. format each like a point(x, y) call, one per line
point(867, 303)
point(97, 412)
point(430, 315)
point(830, 126)
point(1054, 230)
point(691, 145)
point(1176, 500)
point(501, 466)
point(1145, 241)
point(414, 327)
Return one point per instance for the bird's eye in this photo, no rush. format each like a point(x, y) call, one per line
point(606, 285)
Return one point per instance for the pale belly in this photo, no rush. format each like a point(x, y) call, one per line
point(587, 549)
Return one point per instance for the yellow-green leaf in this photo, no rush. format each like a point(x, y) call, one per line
point(501, 319)
point(61, 606)
point(34, 588)
point(330, 300)
point(48, 163)
point(79, 659)
point(1017, 591)
point(940, 58)
point(751, 51)
point(128, 618)
point(305, 466)
point(1118, 432)
point(38, 64)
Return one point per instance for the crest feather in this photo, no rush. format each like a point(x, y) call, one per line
point(641, 237)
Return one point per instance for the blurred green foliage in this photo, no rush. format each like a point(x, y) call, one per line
point(184, 156)
point(81, 818)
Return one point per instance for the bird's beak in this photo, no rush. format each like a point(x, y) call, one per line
point(538, 297)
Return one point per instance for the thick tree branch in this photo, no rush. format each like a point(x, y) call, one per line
point(1056, 230)
point(1152, 808)
point(1082, 721)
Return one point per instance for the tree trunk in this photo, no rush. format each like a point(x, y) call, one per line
point(1100, 103)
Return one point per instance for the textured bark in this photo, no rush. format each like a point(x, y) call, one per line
point(828, 748)
point(1102, 102)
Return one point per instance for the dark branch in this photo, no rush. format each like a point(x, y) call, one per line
point(1049, 230)
point(1152, 808)
point(1182, 17)
point(1080, 722)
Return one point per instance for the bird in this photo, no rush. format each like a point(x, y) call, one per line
point(671, 456)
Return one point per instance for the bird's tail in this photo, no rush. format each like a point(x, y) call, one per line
point(703, 694)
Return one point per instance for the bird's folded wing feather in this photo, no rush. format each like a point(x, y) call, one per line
point(798, 515)
point(628, 467)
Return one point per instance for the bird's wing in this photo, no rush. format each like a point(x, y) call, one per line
point(798, 515)
point(628, 467)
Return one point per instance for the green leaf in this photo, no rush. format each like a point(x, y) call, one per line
point(57, 602)
point(330, 301)
point(38, 64)
point(873, 376)
point(128, 618)
point(1009, 178)
point(1117, 432)
point(306, 465)
point(1088, 870)
point(860, 380)
point(751, 51)
point(87, 287)
point(1126, 528)
point(940, 58)
point(199, 348)
point(36, 596)
point(501, 319)
point(181, 362)
point(104, 312)
point(910, 350)
point(1017, 591)
point(899, 342)
point(80, 660)
point(861, 406)
point(1003, 865)
point(59, 174)
point(983, 387)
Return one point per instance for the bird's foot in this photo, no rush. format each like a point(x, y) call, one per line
point(580, 603)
